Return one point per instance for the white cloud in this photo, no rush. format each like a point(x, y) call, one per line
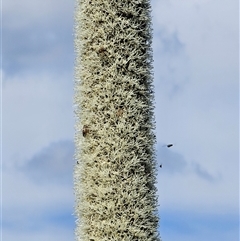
point(53, 163)
point(24, 200)
point(36, 209)
point(51, 232)
point(209, 32)
point(38, 200)
point(38, 37)
point(27, 13)
point(37, 110)
point(197, 102)
point(189, 192)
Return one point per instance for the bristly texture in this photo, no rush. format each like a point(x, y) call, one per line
point(115, 171)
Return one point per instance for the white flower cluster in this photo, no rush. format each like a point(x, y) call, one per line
point(115, 170)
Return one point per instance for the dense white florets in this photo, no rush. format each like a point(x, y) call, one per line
point(115, 175)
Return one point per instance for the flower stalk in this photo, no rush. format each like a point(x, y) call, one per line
point(115, 171)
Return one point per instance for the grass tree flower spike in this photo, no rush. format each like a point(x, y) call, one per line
point(115, 171)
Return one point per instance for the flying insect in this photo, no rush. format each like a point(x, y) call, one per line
point(168, 145)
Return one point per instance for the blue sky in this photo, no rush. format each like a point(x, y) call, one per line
point(196, 72)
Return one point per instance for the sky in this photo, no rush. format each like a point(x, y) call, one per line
point(196, 74)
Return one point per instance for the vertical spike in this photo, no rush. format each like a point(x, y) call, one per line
point(115, 177)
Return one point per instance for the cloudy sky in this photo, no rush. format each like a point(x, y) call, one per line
point(196, 56)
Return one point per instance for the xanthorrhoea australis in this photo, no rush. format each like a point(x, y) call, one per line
point(115, 169)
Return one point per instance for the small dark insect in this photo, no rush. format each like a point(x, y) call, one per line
point(101, 49)
point(168, 145)
point(85, 130)
point(160, 165)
